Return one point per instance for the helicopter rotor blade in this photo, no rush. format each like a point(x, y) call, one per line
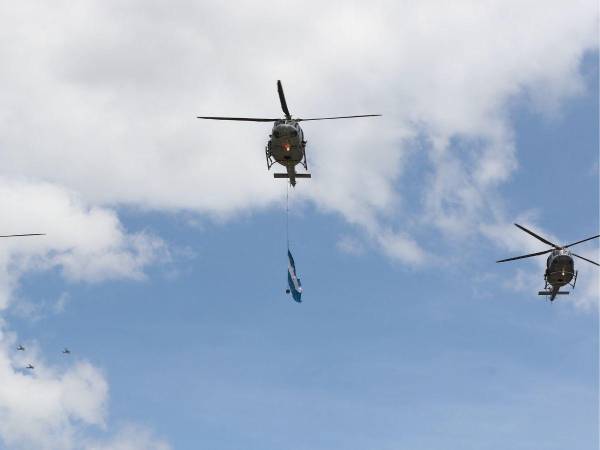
point(284, 106)
point(545, 241)
point(583, 240)
point(238, 119)
point(338, 117)
point(525, 256)
point(21, 235)
point(585, 259)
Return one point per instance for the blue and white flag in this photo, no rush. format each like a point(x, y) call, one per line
point(293, 281)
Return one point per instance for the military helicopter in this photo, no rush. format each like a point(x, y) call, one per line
point(286, 145)
point(30, 366)
point(66, 351)
point(21, 348)
point(560, 267)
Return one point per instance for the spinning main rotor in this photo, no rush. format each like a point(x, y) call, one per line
point(553, 245)
point(285, 110)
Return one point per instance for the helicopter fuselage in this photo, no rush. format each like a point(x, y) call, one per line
point(286, 143)
point(287, 146)
point(560, 268)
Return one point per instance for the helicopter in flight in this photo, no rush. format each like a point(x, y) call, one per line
point(286, 144)
point(560, 266)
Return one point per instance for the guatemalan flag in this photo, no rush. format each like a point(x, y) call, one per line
point(293, 281)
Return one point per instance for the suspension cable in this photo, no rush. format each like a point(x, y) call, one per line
point(287, 215)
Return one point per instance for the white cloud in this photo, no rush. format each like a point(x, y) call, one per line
point(97, 110)
point(85, 243)
point(44, 408)
point(401, 247)
point(101, 98)
point(350, 245)
point(34, 310)
point(61, 303)
point(52, 409)
point(131, 437)
point(110, 90)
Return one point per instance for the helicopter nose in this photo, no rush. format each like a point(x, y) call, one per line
point(285, 130)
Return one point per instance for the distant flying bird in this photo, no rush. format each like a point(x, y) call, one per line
point(21, 348)
point(66, 351)
point(30, 366)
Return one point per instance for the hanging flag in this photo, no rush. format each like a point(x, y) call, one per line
point(293, 281)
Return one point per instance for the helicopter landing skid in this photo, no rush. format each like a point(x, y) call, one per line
point(574, 280)
point(549, 289)
point(548, 292)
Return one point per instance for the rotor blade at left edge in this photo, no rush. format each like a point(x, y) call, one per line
point(238, 119)
point(22, 235)
point(338, 117)
point(525, 256)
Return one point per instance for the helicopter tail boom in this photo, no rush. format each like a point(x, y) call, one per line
point(286, 175)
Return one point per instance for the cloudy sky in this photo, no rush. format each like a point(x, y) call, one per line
point(164, 264)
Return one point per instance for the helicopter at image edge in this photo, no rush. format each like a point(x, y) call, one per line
point(286, 144)
point(560, 266)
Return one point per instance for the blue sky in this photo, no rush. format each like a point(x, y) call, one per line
point(409, 336)
point(377, 355)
